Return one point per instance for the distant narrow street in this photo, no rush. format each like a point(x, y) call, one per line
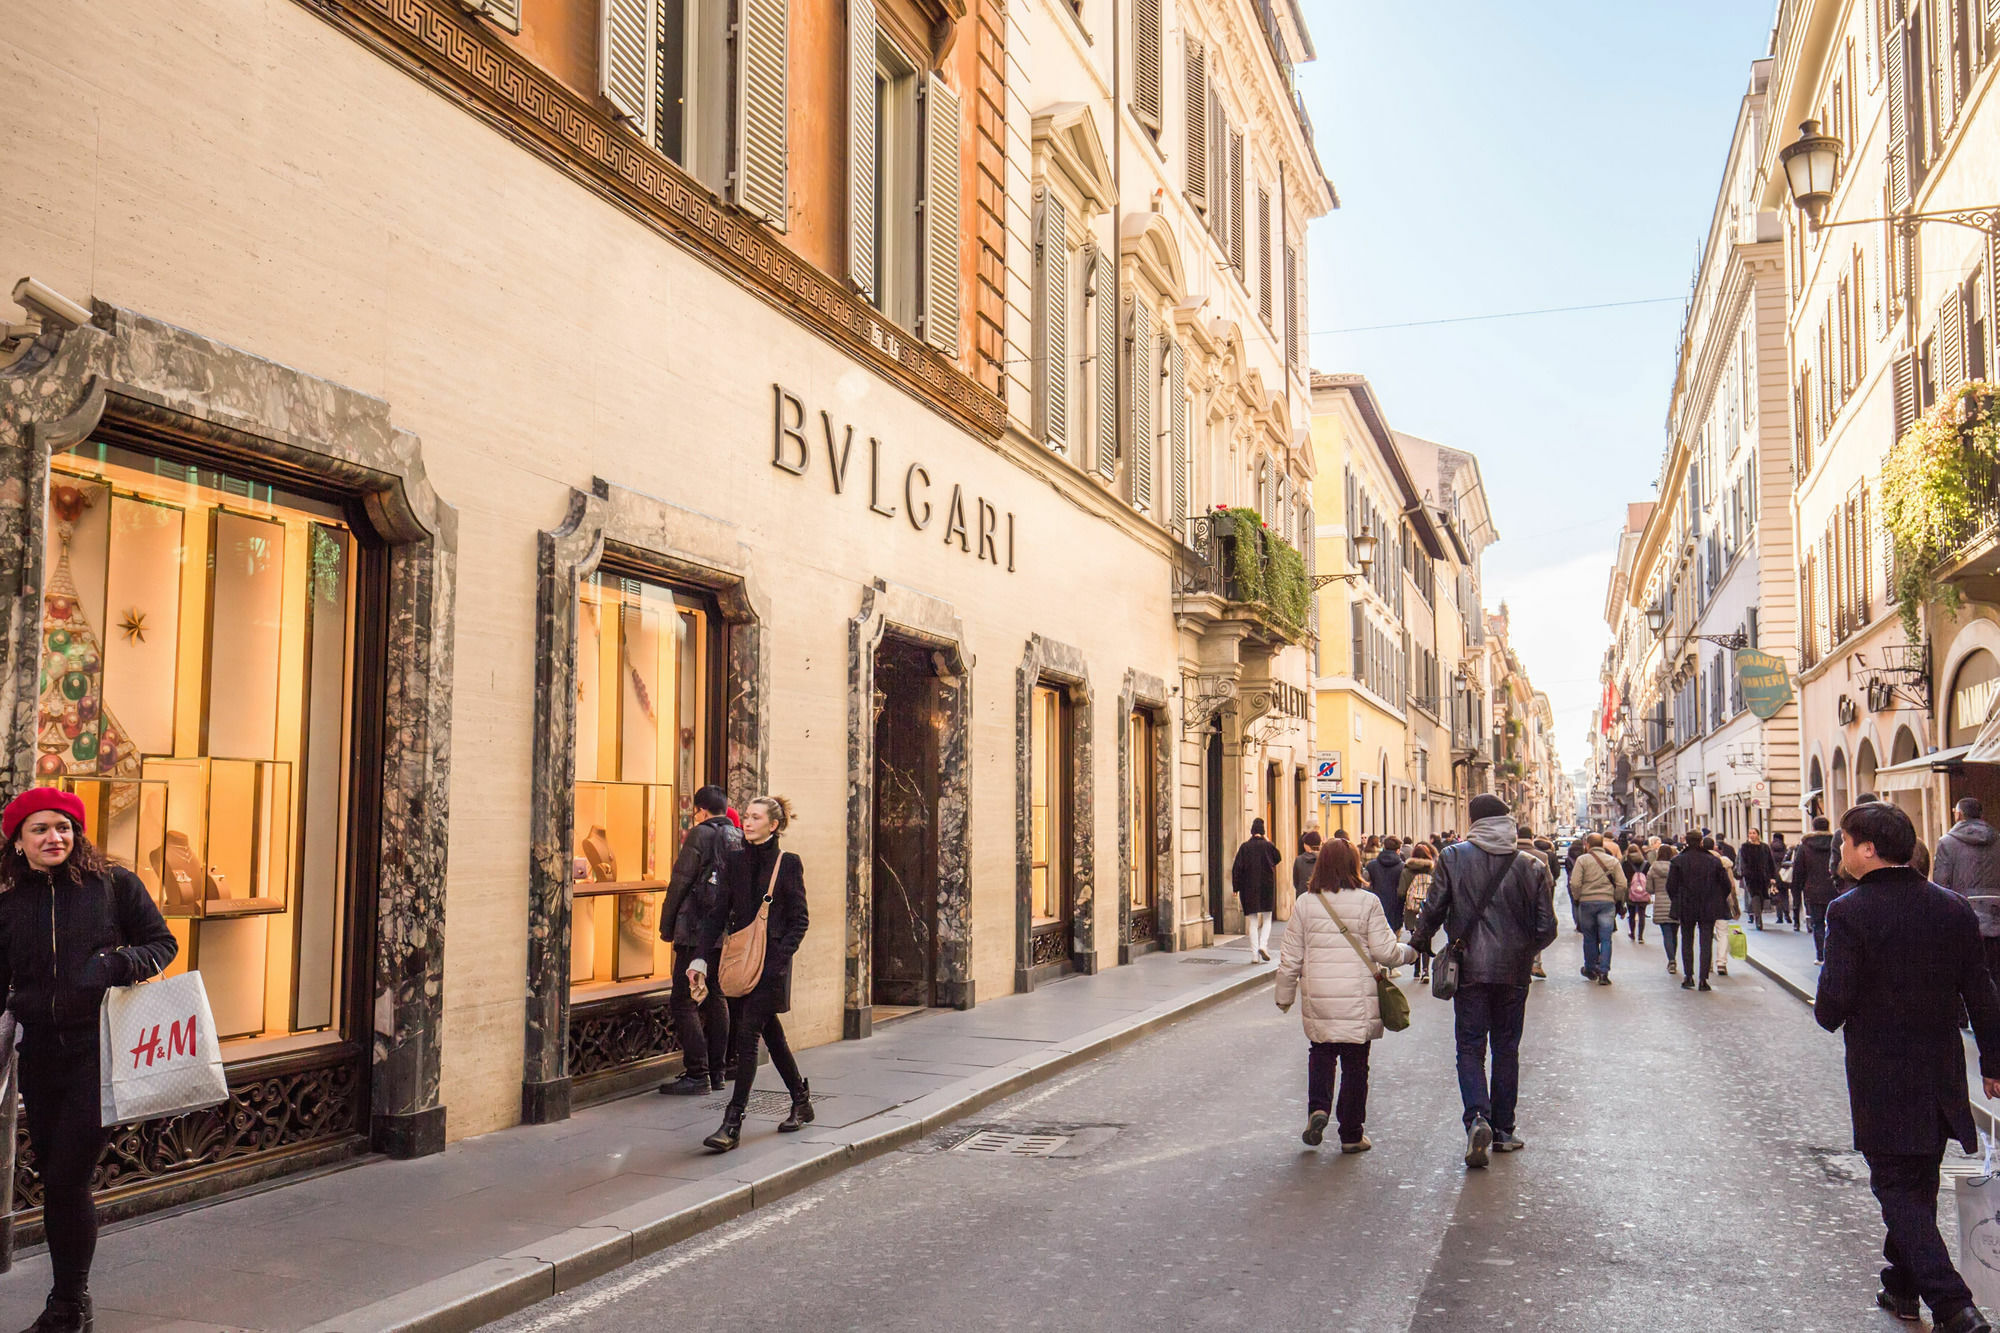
point(1688, 1168)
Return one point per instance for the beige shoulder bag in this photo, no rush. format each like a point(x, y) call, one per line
point(743, 952)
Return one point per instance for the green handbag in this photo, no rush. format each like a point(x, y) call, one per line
point(1389, 997)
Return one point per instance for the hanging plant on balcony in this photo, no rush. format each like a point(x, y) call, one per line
point(1265, 569)
point(1937, 490)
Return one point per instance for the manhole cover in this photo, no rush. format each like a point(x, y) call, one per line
point(766, 1103)
point(1002, 1143)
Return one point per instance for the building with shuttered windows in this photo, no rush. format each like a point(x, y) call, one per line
point(493, 421)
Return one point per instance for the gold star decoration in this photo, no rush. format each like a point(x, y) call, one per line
point(133, 626)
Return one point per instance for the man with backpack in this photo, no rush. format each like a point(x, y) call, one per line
point(701, 1026)
point(1496, 903)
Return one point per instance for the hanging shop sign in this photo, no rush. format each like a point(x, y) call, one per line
point(968, 522)
point(1767, 686)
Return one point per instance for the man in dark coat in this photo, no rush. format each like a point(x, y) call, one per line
point(1385, 874)
point(1698, 883)
point(1813, 880)
point(1902, 956)
point(1254, 876)
point(692, 893)
point(1497, 905)
point(1758, 871)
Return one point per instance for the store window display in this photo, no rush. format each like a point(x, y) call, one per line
point(643, 747)
point(195, 685)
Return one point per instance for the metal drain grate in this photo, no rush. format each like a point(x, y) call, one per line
point(769, 1104)
point(1214, 962)
point(1002, 1143)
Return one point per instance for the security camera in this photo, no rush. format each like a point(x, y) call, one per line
point(37, 298)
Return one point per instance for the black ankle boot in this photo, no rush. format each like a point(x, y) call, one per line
point(802, 1110)
point(729, 1135)
point(61, 1316)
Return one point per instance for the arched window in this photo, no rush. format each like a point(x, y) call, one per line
point(1838, 799)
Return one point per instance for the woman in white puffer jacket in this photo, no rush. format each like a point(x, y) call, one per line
point(1342, 1015)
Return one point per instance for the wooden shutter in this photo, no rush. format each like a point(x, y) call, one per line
point(1309, 537)
point(1906, 391)
point(1821, 624)
point(1292, 313)
point(1993, 297)
point(1146, 63)
point(1218, 167)
point(1899, 119)
point(1951, 343)
point(1180, 460)
point(1264, 256)
point(761, 183)
point(1236, 202)
point(1860, 314)
point(1104, 356)
point(1052, 354)
point(1144, 364)
point(1197, 125)
point(1864, 542)
point(861, 220)
point(502, 14)
point(938, 317)
point(626, 35)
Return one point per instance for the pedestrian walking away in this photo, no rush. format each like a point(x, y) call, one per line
point(1902, 957)
point(693, 890)
point(1759, 874)
point(1334, 946)
point(71, 926)
point(1304, 864)
point(1781, 892)
point(1416, 886)
point(1496, 905)
point(763, 880)
point(1699, 885)
point(1254, 876)
point(1732, 907)
point(1597, 888)
point(1813, 881)
point(1637, 900)
point(1527, 842)
point(1968, 863)
point(1385, 878)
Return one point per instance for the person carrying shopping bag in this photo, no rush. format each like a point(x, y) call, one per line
point(1336, 946)
point(71, 926)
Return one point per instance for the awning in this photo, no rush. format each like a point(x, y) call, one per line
point(1986, 745)
point(1806, 799)
point(1915, 774)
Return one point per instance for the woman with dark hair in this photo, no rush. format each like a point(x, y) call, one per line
point(1254, 876)
point(762, 875)
point(1415, 886)
point(1334, 946)
point(71, 926)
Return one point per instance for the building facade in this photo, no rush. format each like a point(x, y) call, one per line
point(545, 407)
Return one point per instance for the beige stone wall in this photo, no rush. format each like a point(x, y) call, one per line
point(245, 170)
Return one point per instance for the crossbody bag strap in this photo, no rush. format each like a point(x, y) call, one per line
point(1464, 942)
point(1348, 935)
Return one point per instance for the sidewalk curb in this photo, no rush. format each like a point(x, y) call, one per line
point(1785, 983)
point(500, 1286)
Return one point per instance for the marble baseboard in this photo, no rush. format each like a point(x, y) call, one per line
point(545, 1103)
point(417, 1134)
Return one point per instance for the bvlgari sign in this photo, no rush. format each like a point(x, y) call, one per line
point(976, 527)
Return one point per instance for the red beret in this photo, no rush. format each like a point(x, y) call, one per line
point(39, 798)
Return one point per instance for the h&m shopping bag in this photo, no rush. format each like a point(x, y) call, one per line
point(1979, 1230)
point(157, 1052)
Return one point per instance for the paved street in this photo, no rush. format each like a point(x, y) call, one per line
point(1688, 1167)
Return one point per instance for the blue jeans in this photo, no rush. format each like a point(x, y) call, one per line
point(1599, 924)
point(1490, 1015)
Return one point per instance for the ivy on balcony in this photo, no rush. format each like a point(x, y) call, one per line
point(1265, 570)
point(1940, 488)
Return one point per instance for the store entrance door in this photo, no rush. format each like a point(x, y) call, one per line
point(1217, 884)
point(908, 724)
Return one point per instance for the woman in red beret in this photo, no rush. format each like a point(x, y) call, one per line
point(71, 925)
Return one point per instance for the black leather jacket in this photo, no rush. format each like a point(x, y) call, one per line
point(48, 940)
point(693, 891)
point(1519, 921)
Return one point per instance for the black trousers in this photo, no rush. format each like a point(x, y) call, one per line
point(1816, 918)
point(1689, 930)
point(59, 1093)
point(702, 1029)
point(1351, 1059)
point(1919, 1264)
point(753, 1017)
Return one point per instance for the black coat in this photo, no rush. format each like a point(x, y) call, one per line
point(1254, 874)
point(744, 876)
point(1385, 879)
point(696, 884)
point(1519, 921)
point(1812, 870)
point(1699, 885)
point(1758, 868)
point(47, 938)
point(1901, 955)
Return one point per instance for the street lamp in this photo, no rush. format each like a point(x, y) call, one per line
point(1656, 618)
point(1812, 166)
point(1364, 556)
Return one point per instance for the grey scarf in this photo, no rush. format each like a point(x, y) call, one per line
point(1494, 834)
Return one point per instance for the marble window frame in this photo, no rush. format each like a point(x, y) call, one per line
point(1048, 662)
point(1148, 694)
point(142, 374)
point(679, 546)
point(889, 608)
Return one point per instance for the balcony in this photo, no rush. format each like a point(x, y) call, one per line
point(1941, 500)
point(1235, 568)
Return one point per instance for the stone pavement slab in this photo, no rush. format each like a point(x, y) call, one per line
point(498, 1222)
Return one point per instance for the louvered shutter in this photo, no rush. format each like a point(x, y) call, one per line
point(1145, 371)
point(938, 318)
point(626, 34)
point(502, 14)
point(1993, 297)
point(1218, 167)
point(1052, 355)
point(1104, 356)
point(1906, 391)
point(1146, 62)
point(1281, 506)
point(1264, 256)
point(1197, 125)
point(1309, 537)
point(1860, 315)
point(1823, 623)
point(1899, 120)
point(1292, 313)
point(1864, 543)
point(1949, 90)
point(1236, 202)
point(1181, 460)
point(761, 186)
point(861, 220)
point(1951, 343)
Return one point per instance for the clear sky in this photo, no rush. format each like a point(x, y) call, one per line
point(1506, 155)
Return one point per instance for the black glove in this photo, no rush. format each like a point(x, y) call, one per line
point(106, 967)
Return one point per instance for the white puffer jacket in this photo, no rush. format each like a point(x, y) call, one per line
point(1314, 957)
